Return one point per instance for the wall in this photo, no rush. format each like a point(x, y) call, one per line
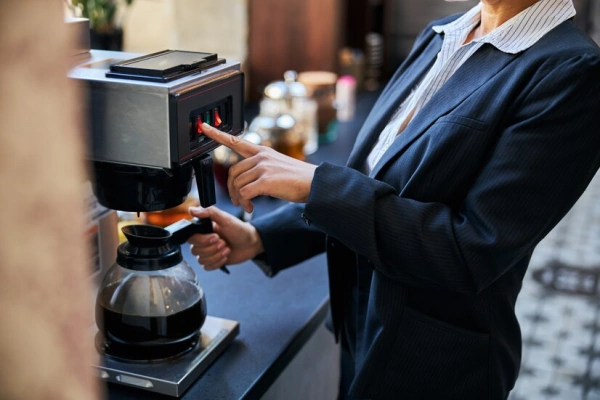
point(595, 20)
point(406, 18)
point(195, 25)
point(301, 35)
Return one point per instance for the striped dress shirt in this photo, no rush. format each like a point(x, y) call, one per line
point(515, 35)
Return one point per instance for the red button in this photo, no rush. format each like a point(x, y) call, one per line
point(199, 125)
point(218, 120)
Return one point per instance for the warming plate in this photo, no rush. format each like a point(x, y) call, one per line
point(174, 376)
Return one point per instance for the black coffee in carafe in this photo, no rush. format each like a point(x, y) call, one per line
point(136, 337)
point(139, 329)
point(150, 305)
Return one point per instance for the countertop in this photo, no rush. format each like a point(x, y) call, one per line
point(276, 315)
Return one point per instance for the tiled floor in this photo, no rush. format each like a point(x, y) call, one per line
point(559, 309)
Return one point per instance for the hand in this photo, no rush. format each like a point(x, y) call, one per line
point(232, 242)
point(263, 171)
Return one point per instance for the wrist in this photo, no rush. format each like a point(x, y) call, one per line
point(256, 244)
point(309, 181)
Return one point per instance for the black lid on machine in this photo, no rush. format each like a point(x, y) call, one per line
point(164, 66)
point(139, 189)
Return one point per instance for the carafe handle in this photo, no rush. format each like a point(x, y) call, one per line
point(182, 230)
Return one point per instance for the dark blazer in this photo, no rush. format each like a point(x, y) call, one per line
point(427, 254)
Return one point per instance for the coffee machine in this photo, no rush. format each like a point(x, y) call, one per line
point(145, 145)
point(145, 117)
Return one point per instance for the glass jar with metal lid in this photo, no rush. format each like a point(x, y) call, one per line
point(289, 97)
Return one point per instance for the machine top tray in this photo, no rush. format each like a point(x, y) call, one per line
point(164, 66)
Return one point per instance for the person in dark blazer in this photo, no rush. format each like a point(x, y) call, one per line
point(481, 142)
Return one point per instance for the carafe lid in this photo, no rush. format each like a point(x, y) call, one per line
point(148, 248)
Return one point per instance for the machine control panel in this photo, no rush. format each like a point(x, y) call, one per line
point(147, 110)
point(219, 103)
point(218, 114)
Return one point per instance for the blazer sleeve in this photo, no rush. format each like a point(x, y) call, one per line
point(546, 154)
point(287, 238)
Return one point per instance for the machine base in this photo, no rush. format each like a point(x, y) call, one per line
point(174, 376)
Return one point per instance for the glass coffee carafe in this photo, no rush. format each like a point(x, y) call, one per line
point(150, 305)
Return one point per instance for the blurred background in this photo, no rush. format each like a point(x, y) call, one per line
point(271, 36)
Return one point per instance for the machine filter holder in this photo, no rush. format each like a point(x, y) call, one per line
point(164, 66)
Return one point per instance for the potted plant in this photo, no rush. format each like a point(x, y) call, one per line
point(106, 17)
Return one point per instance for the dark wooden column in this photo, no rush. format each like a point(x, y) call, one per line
point(301, 35)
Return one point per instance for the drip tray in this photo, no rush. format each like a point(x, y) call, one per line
point(174, 376)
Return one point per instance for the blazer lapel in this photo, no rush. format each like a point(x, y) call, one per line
point(476, 71)
point(389, 101)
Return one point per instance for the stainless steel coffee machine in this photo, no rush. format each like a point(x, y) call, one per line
point(145, 117)
point(145, 145)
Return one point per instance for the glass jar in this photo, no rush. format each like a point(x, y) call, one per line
point(320, 86)
point(281, 133)
point(289, 97)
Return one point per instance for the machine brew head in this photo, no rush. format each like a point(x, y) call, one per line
point(145, 124)
point(131, 188)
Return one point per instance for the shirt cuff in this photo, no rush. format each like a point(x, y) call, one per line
point(262, 263)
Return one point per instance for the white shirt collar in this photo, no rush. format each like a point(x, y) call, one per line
point(521, 31)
